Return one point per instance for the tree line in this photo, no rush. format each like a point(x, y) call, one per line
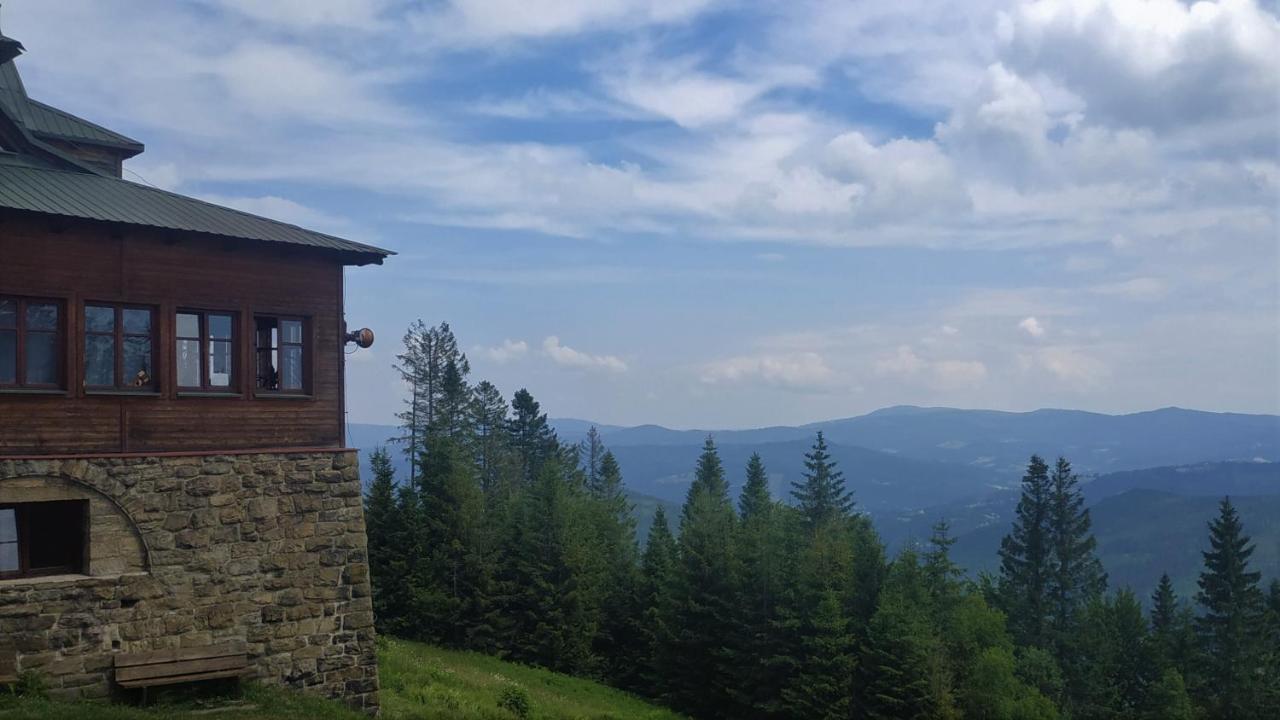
point(506, 540)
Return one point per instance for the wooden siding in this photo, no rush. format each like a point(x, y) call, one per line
point(87, 262)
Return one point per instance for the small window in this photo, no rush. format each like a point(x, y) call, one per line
point(206, 355)
point(30, 343)
point(119, 347)
point(43, 538)
point(280, 347)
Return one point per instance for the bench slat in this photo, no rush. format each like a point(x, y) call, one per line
point(235, 647)
point(177, 679)
point(156, 671)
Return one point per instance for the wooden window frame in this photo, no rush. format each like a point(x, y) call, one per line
point(206, 341)
point(305, 345)
point(20, 328)
point(24, 543)
point(118, 334)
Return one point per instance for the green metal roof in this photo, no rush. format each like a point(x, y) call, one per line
point(50, 122)
point(31, 186)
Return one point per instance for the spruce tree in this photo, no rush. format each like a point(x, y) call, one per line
point(423, 366)
point(1077, 576)
point(760, 577)
point(592, 450)
point(1026, 559)
point(755, 500)
point(384, 529)
point(821, 689)
point(533, 439)
point(657, 578)
point(704, 597)
point(896, 657)
point(620, 638)
point(1230, 620)
point(942, 575)
point(821, 495)
point(490, 446)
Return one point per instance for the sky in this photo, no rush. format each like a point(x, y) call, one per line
point(722, 214)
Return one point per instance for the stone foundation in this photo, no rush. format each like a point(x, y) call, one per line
point(197, 550)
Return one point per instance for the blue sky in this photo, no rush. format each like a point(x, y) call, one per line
point(708, 213)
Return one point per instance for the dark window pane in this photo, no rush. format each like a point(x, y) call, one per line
point(56, 531)
point(100, 360)
point(189, 363)
point(188, 325)
point(8, 356)
point(220, 363)
point(291, 370)
point(137, 361)
point(42, 358)
point(99, 319)
point(291, 331)
point(137, 322)
point(220, 327)
point(42, 316)
point(8, 313)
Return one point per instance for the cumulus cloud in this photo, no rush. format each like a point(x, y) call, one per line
point(805, 371)
point(508, 351)
point(1031, 326)
point(568, 357)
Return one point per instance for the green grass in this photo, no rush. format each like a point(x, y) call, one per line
point(418, 681)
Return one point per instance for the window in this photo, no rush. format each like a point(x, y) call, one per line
point(206, 359)
point(30, 343)
point(43, 538)
point(279, 346)
point(119, 348)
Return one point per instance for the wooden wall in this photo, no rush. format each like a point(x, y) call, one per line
point(78, 262)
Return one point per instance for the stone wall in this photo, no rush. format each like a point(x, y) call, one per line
point(197, 550)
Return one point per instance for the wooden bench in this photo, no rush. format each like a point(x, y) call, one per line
point(181, 665)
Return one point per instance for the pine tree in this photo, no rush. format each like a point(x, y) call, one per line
point(423, 365)
point(1164, 618)
point(1230, 621)
point(384, 529)
point(822, 495)
point(1077, 576)
point(1026, 560)
point(760, 577)
point(592, 450)
point(620, 638)
point(1270, 700)
point(942, 575)
point(657, 578)
point(822, 682)
point(755, 500)
point(896, 658)
point(489, 440)
point(1167, 699)
point(704, 593)
point(534, 441)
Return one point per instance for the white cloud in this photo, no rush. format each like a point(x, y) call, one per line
point(1073, 367)
point(903, 361)
point(568, 357)
point(508, 351)
point(1031, 326)
point(804, 371)
point(480, 21)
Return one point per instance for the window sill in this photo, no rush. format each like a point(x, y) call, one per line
point(69, 579)
point(32, 391)
point(282, 396)
point(124, 393)
point(206, 394)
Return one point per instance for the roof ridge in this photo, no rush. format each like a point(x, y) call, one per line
point(154, 189)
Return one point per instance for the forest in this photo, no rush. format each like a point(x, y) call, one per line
point(505, 540)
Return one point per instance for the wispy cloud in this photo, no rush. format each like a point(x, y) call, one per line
point(568, 357)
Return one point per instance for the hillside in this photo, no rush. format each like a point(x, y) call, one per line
point(419, 682)
point(1143, 533)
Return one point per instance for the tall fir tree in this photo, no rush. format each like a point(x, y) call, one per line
point(531, 436)
point(657, 578)
point(620, 638)
point(385, 529)
point(1230, 621)
point(703, 602)
point(1077, 575)
point(489, 442)
point(591, 453)
point(896, 659)
point(1026, 559)
point(422, 365)
point(821, 494)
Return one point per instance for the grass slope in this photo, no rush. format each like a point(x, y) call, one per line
point(418, 681)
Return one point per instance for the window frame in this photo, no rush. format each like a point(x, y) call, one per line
point(206, 341)
point(23, 528)
point(20, 330)
point(118, 336)
point(305, 348)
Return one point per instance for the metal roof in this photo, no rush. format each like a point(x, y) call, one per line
point(29, 186)
point(50, 122)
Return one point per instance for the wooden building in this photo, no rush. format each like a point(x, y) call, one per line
point(171, 423)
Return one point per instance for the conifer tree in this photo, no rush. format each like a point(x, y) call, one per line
point(1077, 576)
point(384, 529)
point(487, 421)
point(821, 496)
point(942, 575)
point(821, 687)
point(533, 439)
point(703, 602)
point(1230, 619)
point(1167, 699)
point(591, 451)
point(896, 658)
point(755, 500)
point(620, 637)
point(1026, 559)
point(760, 577)
point(423, 365)
point(657, 577)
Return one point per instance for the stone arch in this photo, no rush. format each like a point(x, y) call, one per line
point(116, 545)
